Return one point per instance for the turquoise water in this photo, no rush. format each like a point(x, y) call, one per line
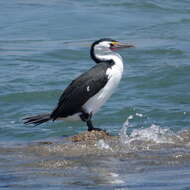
point(44, 44)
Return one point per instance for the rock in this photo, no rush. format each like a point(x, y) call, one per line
point(90, 136)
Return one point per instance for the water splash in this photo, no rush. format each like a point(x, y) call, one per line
point(139, 114)
point(123, 132)
point(102, 145)
point(154, 133)
point(145, 137)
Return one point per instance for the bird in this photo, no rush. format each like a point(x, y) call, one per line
point(85, 95)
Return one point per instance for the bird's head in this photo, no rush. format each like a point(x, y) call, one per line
point(102, 50)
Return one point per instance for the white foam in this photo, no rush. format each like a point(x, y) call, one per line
point(102, 145)
point(123, 132)
point(139, 114)
point(153, 134)
point(113, 174)
point(115, 178)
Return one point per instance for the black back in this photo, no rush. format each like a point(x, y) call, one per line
point(80, 90)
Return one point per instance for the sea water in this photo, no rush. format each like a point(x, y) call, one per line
point(44, 44)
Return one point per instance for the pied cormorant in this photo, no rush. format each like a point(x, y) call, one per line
point(88, 92)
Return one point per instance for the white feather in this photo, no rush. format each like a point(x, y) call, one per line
point(114, 75)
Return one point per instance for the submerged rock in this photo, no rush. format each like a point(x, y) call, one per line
point(90, 136)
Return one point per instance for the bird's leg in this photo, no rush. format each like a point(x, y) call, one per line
point(92, 128)
point(90, 125)
point(86, 117)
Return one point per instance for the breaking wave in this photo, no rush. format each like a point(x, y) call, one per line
point(152, 137)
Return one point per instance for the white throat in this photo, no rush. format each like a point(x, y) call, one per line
point(115, 57)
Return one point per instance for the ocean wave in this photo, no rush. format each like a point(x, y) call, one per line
point(152, 137)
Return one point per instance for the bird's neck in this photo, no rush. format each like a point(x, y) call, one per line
point(114, 59)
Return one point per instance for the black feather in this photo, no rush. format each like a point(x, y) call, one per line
point(76, 94)
point(37, 120)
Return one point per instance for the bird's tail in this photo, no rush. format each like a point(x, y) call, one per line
point(37, 120)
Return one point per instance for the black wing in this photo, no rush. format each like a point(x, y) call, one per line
point(80, 90)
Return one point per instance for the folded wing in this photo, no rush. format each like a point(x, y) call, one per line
point(80, 90)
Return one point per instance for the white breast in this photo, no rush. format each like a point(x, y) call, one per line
point(114, 74)
point(94, 103)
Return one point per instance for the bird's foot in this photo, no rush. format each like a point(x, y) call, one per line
point(92, 128)
point(95, 129)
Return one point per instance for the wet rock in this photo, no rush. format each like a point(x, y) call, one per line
point(90, 136)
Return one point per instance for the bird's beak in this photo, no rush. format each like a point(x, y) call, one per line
point(118, 45)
